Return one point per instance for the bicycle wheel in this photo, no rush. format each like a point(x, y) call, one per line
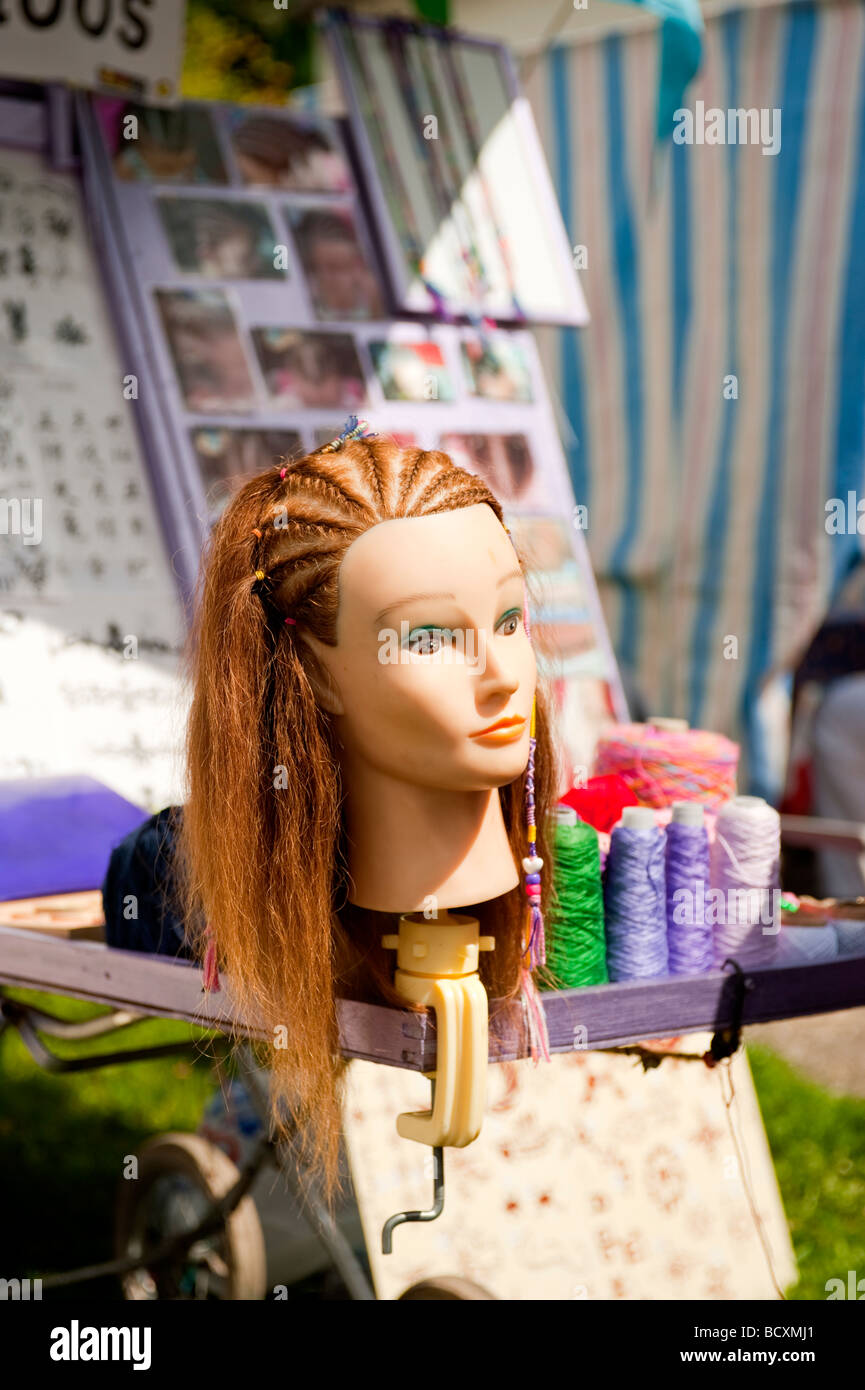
point(449, 1287)
point(179, 1178)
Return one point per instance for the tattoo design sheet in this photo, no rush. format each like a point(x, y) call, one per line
point(90, 625)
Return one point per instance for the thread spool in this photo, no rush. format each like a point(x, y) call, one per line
point(850, 935)
point(689, 939)
point(806, 945)
point(661, 765)
point(744, 870)
point(635, 906)
point(576, 942)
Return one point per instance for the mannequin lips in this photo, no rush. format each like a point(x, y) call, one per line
point(503, 730)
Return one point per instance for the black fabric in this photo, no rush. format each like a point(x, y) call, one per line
point(837, 649)
point(137, 895)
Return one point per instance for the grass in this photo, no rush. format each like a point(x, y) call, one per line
point(63, 1141)
point(818, 1148)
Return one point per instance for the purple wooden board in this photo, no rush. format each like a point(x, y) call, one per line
point(23, 121)
point(612, 1015)
point(165, 988)
point(184, 530)
point(61, 127)
point(57, 833)
point(615, 1015)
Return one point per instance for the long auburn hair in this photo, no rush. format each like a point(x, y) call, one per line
point(261, 863)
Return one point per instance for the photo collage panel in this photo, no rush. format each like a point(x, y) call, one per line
point(241, 204)
point(252, 286)
point(269, 311)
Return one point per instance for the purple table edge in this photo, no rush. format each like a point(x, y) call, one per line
point(578, 1020)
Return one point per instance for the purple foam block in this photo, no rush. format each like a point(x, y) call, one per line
point(56, 834)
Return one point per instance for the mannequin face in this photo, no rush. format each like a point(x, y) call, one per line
point(431, 651)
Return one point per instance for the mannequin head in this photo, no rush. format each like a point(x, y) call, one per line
point(431, 648)
point(406, 645)
point(430, 653)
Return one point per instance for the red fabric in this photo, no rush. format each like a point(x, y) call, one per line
point(799, 797)
point(601, 800)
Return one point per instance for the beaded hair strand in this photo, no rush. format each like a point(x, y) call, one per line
point(535, 946)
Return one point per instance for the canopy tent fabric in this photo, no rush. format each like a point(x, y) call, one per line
point(714, 404)
point(528, 28)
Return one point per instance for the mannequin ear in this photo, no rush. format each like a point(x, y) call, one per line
point(316, 666)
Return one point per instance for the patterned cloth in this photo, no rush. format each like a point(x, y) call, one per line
point(589, 1180)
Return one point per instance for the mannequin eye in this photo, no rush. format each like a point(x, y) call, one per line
point(510, 623)
point(426, 641)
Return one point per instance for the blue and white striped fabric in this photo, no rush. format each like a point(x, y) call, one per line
point(707, 515)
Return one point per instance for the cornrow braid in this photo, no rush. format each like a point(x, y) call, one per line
point(328, 499)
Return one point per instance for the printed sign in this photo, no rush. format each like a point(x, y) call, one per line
point(90, 626)
point(125, 46)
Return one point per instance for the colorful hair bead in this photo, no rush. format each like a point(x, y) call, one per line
point(354, 429)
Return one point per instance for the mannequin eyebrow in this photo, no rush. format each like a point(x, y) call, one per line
point(415, 598)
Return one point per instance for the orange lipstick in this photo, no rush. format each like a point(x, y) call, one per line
point(506, 730)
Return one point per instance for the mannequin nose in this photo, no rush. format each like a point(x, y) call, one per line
point(495, 676)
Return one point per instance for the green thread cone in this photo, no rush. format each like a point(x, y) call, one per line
point(576, 941)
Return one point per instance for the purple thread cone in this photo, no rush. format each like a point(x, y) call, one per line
point(691, 947)
point(635, 906)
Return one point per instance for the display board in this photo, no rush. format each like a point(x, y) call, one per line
point(67, 447)
point(90, 625)
point(457, 178)
point(252, 301)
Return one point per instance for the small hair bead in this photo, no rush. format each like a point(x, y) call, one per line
point(354, 429)
point(292, 621)
point(282, 473)
point(256, 532)
point(259, 574)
